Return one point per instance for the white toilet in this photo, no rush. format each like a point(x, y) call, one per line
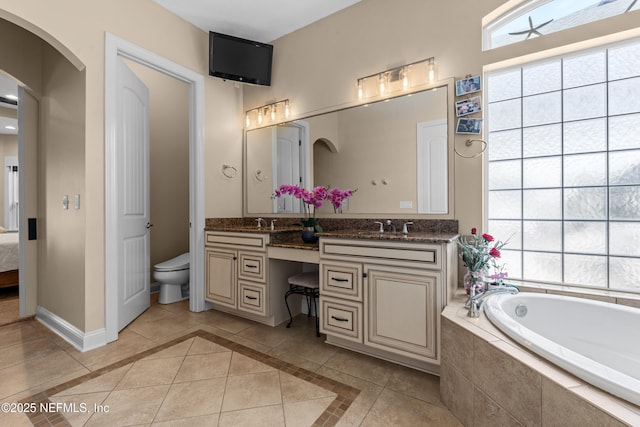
point(173, 277)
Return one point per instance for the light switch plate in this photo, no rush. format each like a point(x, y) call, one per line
point(406, 204)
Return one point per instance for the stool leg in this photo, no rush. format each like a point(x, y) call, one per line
point(308, 305)
point(286, 295)
point(315, 307)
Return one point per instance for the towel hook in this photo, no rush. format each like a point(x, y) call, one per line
point(469, 143)
point(229, 171)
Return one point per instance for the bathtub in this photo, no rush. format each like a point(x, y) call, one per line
point(596, 341)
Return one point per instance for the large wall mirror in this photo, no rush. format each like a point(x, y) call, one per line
point(396, 153)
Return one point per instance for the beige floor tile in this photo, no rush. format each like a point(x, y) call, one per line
point(362, 366)
point(202, 346)
point(416, 384)
point(266, 335)
point(46, 385)
point(369, 393)
point(204, 367)
point(224, 321)
point(271, 416)
point(17, 333)
point(15, 419)
point(145, 373)
point(78, 408)
point(242, 365)
point(250, 391)
point(28, 350)
point(394, 408)
point(34, 372)
point(128, 344)
point(178, 350)
point(303, 414)
point(105, 382)
point(314, 350)
point(203, 421)
point(158, 329)
point(130, 407)
point(192, 399)
point(250, 343)
point(295, 389)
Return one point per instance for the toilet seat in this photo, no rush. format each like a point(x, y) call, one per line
point(181, 262)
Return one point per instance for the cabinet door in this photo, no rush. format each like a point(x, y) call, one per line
point(402, 311)
point(221, 276)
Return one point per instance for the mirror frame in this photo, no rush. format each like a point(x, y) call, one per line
point(451, 119)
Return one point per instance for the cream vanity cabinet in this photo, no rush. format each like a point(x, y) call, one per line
point(238, 279)
point(384, 297)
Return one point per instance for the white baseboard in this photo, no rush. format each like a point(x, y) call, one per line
point(82, 341)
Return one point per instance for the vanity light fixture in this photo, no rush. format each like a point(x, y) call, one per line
point(399, 79)
point(268, 114)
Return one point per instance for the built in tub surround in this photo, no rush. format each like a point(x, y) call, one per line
point(594, 340)
point(489, 379)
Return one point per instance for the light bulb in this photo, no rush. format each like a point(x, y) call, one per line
point(432, 70)
point(405, 78)
point(260, 116)
point(248, 120)
point(273, 113)
point(381, 81)
point(360, 93)
point(286, 108)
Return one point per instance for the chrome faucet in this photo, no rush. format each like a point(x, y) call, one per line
point(405, 231)
point(260, 222)
point(392, 227)
point(273, 224)
point(475, 300)
point(381, 229)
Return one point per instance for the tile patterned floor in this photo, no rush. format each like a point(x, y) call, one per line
point(9, 305)
point(174, 367)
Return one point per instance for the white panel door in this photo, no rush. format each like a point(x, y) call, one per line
point(132, 196)
point(287, 166)
point(433, 185)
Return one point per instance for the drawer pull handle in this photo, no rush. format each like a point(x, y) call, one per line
point(250, 266)
point(251, 298)
point(335, 279)
point(339, 319)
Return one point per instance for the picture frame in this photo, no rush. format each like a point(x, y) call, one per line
point(469, 126)
point(469, 106)
point(468, 85)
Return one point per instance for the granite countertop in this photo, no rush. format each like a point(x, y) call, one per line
point(287, 230)
point(416, 237)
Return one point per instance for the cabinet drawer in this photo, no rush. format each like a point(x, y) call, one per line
point(341, 318)
point(251, 266)
point(343, 280)
point(251, 298)
point(237, 240)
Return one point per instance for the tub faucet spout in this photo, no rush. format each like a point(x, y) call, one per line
point(475, 300)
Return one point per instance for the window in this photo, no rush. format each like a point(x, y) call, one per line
point(563, 175)
point(539, 17)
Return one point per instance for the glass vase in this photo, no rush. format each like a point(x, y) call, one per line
point(475, 279)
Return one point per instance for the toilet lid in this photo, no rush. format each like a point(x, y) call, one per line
point(181, 262)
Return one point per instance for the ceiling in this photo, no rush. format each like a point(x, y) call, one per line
point(262, 21)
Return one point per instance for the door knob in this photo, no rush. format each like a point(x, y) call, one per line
point(149, 225)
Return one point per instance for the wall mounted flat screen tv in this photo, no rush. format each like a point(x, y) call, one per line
point(233, 58)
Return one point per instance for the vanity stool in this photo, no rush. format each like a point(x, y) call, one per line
point(308, 285)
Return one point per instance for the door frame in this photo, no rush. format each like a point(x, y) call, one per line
point(115, 47)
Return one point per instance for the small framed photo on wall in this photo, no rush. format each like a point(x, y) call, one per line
point(468, 85)
point(471, 126)
point(469, 106)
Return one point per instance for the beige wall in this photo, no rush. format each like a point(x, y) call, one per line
point(80, 27)
point(168, 163)
point(61, 232)
point(317, 67)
